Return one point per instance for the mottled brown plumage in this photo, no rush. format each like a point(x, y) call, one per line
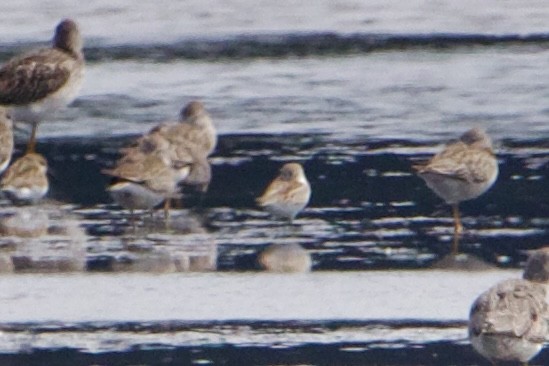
point(26, 181)
point(39, 82)
point(509, 322)
point(288, 193)
point(463, 170)
point(149, 171)
point(187, 142)
point(143, 181)
point(35, 75)
point(194, 130)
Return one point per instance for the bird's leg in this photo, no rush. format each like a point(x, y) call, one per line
point(31, 145)
point(176, 203)
point(167, 205)
point(458, 228)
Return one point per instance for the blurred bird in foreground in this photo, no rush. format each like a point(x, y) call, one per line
point(510, 321)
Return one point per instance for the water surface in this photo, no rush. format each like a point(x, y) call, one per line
point(355, 91)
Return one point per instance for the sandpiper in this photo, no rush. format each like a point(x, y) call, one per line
point(462, 171)
point(144, 182)
point(25, 181)
point(510, 321)
point(194, 131)
point(195, 128)
point(288, 193)
point(40, 82)
point(6, 139)
point(200, 175)
point(188, 142)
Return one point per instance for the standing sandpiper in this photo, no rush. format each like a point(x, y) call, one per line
point(194, 131)
point(144, 182)
point(38, 83)
point(288, 193)
point(195, 128)
point(510, 321)
point(187, 142)
point(25, 181)
point(462, 171)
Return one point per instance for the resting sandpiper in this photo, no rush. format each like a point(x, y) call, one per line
point(144, 182)
point(288, 193)
point(40, 82)
point(25, 181)
point(188, 142)
point(463, 170)
point(510, 321)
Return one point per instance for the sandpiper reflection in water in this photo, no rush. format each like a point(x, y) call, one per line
point(285, 258)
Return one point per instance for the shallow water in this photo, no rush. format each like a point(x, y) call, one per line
point(386, 219)
point(355, 91)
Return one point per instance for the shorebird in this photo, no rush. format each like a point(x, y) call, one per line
point(187, 142)
point(6, 139)
point(194, 131)
point(143, 182)
point(25, 181)
point(462, 171)
point(510, 321)
point(200, 173)
point(36, 84)
point(195, 128)
point(288, 193)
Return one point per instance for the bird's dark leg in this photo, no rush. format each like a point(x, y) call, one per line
point(31, 145)
point(458, 228)
point(167, 205)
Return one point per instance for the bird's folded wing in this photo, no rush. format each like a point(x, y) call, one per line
point(30, 78)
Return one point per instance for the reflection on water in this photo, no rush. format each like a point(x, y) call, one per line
point(283, 257)
point(40, 239)
point(360, 107)
point(367, 210)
